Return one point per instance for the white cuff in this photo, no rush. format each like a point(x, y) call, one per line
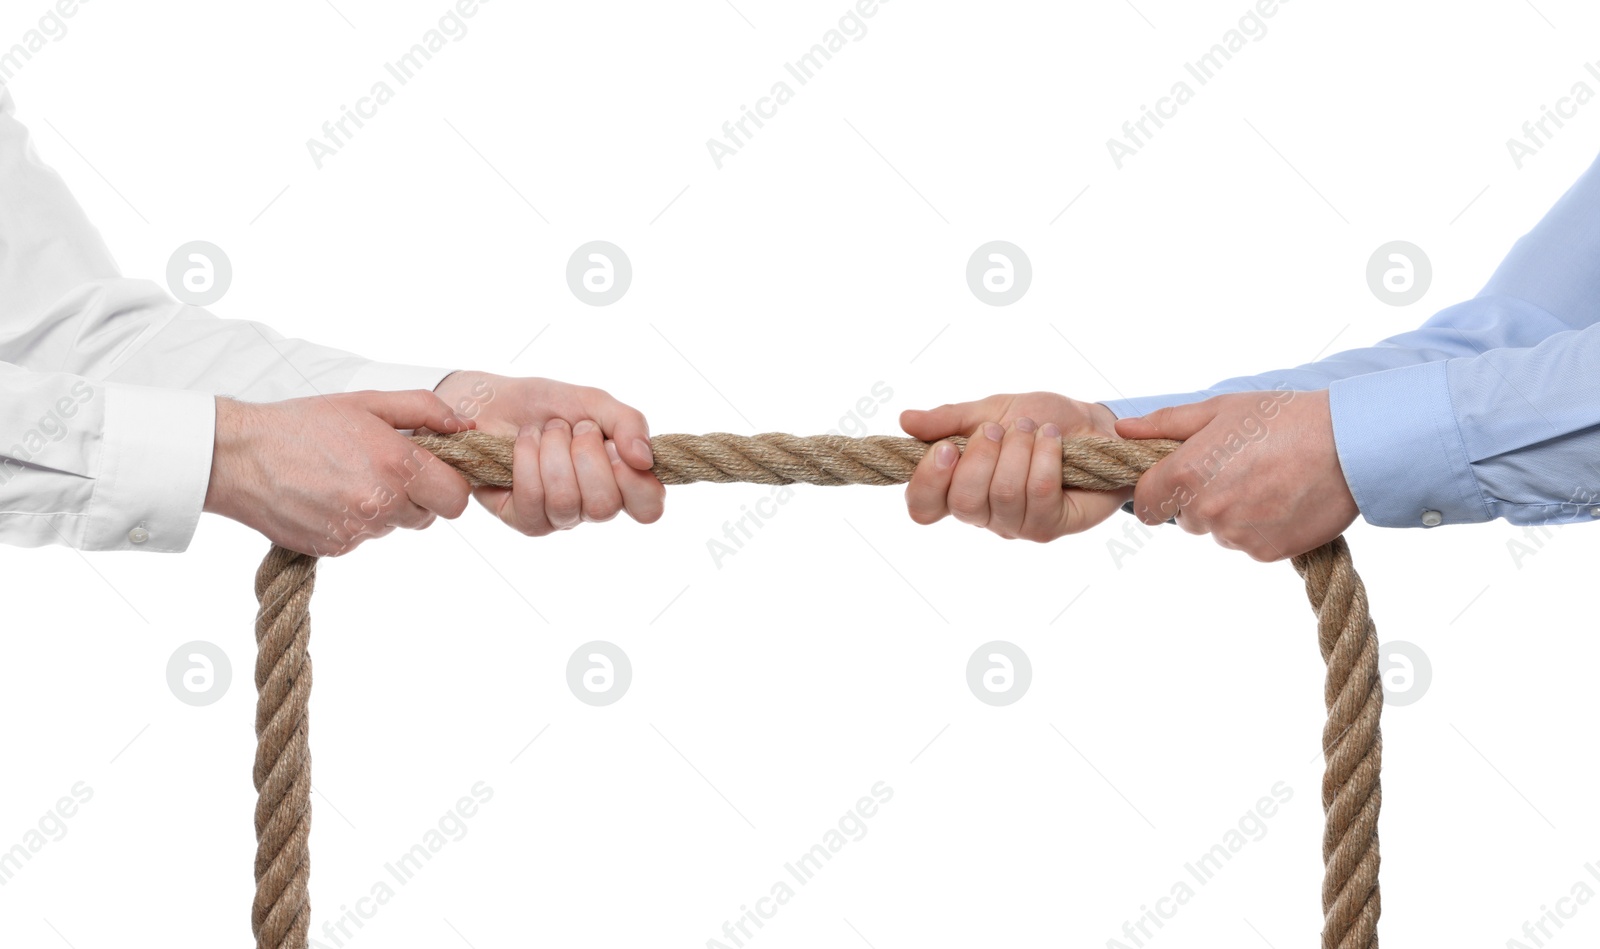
point(155, 465)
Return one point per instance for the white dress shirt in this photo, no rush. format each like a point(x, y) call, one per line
point(107, 384)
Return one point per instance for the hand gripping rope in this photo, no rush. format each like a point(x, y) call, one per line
point(1351, 744)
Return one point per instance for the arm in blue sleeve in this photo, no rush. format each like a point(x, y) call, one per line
point(1512, 433)
point(1547, 284)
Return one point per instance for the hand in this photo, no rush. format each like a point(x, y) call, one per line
point(1257, 470)
point(322, 474)
point(580, 455)
point(1009, 480)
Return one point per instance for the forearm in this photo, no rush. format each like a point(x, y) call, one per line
point(1547, 284)
point(157, 341)
point(64, 307)
point(1464, 330)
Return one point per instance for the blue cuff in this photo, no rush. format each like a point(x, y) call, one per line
point(1401, 450)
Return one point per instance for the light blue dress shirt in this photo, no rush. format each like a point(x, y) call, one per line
point(1490, 409)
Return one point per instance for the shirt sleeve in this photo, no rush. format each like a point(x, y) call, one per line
point(110, 384)
point(1546, 284)
point(99, 466)
point(1512, 433)
point(1454, 422)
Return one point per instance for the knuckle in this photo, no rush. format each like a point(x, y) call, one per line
point(967, 503)
point(602, 510)
point(1185, 482)
point(1042, 489)
point(563, 504)
point(528, 489)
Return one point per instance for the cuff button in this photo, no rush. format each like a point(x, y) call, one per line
point(138, 535)
point(1432, 518)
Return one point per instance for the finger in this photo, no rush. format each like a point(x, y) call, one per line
point(1045, 514)
point(597, 485)
point(969, 487)
point(1165, 491)
point(1190, 522)
point(1008, 501)
point(1174, 421)
point(412, 409)
point(927, 496)
point(356, 540)
point(410, 516)
point(622, 424)
point(521, 506)
point(961, 418)
point(562, 499)
point(643, 497)
point(432, 484)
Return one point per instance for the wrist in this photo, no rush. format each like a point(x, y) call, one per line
point(1103, 419)
point(230, 446)
point(466, 391)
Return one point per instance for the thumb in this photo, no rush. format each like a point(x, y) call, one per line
point(960, 418)
point(1174, 421)
point(1160, 493)
point(412, 409)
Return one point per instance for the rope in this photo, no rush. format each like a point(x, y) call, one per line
point(1351, 744)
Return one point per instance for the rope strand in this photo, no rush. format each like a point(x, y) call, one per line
point(1352, 745)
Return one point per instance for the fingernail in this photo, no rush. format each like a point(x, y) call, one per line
point(1050, 430)
point(554, 424)
point(944, 455)
point(644, 447)
point(993, 432)
point(1025, 425)
point(584, 427)
point(611, 452)
point(523, 431)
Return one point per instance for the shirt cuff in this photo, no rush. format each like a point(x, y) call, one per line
point(1401, 450)
point(395, 377)
point(155, 465)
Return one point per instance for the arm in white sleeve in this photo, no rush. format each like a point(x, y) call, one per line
point(65, 307)
point(108, 383)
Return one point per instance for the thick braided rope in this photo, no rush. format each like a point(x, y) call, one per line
point(1352, 745)
point(281, 915)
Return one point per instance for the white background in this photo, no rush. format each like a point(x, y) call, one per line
point(773, 690)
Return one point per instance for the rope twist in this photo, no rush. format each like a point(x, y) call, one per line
point(1351, 743)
